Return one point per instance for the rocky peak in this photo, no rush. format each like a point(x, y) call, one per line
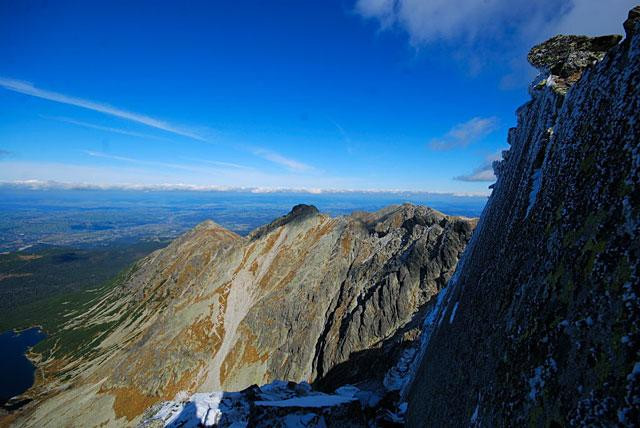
point(298, 213)
point(632, 20)
point(302, 210)
point(564, 56)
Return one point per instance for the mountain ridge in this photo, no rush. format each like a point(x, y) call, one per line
point(294, 300)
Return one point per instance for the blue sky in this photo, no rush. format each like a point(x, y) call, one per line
point(369, 94)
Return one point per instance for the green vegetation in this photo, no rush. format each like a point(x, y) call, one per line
point(48, 313)
point(64, 283)
point(53, 312)
point(32, 277)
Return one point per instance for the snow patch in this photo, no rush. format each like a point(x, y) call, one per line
point(536, 383)
point(234, 408)
point(428, 327)
point(347, 391)
point(307, 420)
point(474, 416)
point(322, 400)
point(398, 375)
point(550, 81)
point(535, 188)
point(202, 409)
point(453, 313)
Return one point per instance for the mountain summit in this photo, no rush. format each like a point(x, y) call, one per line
point(307, 297)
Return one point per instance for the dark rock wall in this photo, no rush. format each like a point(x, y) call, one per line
point(540, 324)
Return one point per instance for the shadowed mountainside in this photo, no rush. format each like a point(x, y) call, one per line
point(539, 326)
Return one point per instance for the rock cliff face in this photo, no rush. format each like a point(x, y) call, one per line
point(540, 324)
point(305, 298)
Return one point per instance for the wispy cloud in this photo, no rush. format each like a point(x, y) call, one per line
point(481, 33)
point(218, 163)
point(103, 155)
point(221, 166)
point(471, 21)
point(277, 158)
point(28, 88)
point(106, 128)
point(430, 21)
point(341, 130)
point(463, 134)
point(483, 173)
point(345, 136)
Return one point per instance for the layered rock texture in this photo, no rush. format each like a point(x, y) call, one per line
point(305, 298)
point(540, 324)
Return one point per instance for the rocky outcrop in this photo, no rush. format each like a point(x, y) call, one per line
point(305, 298)
point(563, 56)
point(540, 324)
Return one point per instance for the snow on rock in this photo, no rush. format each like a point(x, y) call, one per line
point(536, 383)
point(306, 420)
point(453, 313)
point(318, 400)
point(428, 326)
point(536, 178)
point(284, 404)
point(201, 409)
point(348, 391)
point(474, 416)
point(397, 377)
